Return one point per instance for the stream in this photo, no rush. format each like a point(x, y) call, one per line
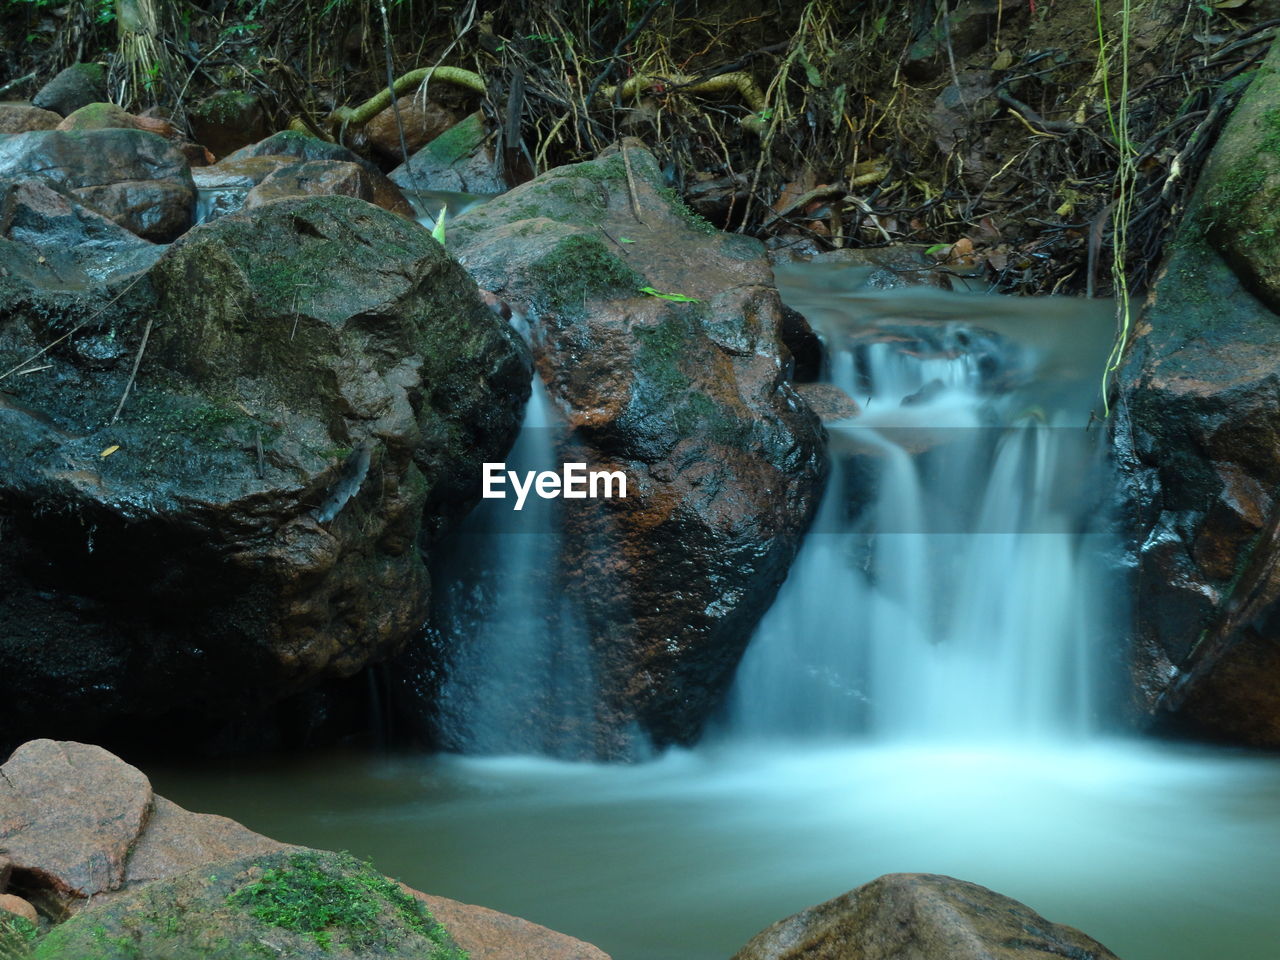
point(927, 694)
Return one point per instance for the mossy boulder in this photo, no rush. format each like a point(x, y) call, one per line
point(1198, 432)
point(460, 159)
point(300, 904)
point(227, 120)
point(319, 386)
point(661, 337)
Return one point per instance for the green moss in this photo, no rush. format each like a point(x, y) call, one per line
point(581, 267)
point(661, 350)
point(310, 896)
point(17, 936)
point(681, 209)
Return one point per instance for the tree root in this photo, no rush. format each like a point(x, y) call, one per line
point(359, 116)
point(737, 82)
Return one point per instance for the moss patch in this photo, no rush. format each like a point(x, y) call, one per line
point(581, 267)
point(17, 937)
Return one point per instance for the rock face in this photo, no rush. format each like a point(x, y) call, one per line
point(108, 116)
point(1198, 428)
point(312, 178)
point(688, 398)
point(288, 143)
point(228, 120)
point(460, 159)
point(120, 872)
point(136, 178)
point(319, 387)
point(920, 916)
point(73, 88)
point(16, 118)
point(421, 124)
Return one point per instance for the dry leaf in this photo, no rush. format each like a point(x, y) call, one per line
point(110, 450)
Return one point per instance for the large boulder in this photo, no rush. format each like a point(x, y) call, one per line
point(136, 178)
point(461, 159)
point(1198, 429)
point(19, 118)
point(118, 871)
point(318, 388)
point(73, 88)
point(228, 120)
point(421, 122)
point(314, 178)
point(688, 397)
point(920, 916)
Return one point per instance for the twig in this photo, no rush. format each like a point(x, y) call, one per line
point(631, 182)
point(16, 83)
point(133, 374)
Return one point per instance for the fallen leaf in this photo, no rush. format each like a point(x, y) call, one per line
point(674, 297)
point(110, 450)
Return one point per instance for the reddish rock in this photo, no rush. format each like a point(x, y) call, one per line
point(421, 126)
point(69, 813)
point(19, 907)
point(689, 399)
point(489, 935)
point(136, 178)
point(828, 401)
point(312, 178)
point(108, 116)
point(920, 916)
point(17, 118)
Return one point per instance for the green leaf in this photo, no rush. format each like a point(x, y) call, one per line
point(937, 248)
point(674, 297)
point(438, 230)
point(625, 240)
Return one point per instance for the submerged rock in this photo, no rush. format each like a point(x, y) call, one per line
point(136, 178)
point(920, 916)
point(319, 386)
point(1198, 428)
point(683, 389)
point(119, 872)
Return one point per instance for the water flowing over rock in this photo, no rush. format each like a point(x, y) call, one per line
point(920, 916)
point(107, 861)
point(136, 178)
point(1199, 427)
point(318, 389)
point(688, 398)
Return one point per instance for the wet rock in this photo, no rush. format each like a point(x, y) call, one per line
point(319, 388)
point(1198, 429)
point(920, 916)
point(421, 125)
point(17, 118)
point(314, 178)
point(689, 399)
point(73, 88)
point(289, 143)
point(18, 907)
point(228, 120)
point(133, 177)
point(828, 401)
point(461, 159)
point(72, 245)
point(489, 935)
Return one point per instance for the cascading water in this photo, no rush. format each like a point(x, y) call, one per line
point(953, 584)
point(519, 677)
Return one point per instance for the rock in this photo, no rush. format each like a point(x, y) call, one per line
point(326, 178)
point(289, 143)
point(18, 907)
point(17, 118)
point(421, 126)
point(690, 399)
point(461, 159)
point(828, 401)
point(963, 31)
point(73, 88)
point(920, 916)
point(133, 177)
point(73, 245)
point(108, 116)
point(228, 120)
point(69, 814)
point(306, 904)
point(320, 386)
point(489, 935)
point(1198, 430)
point(6, 868)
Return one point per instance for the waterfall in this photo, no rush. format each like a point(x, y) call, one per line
point(518, 677)
point(953, 584)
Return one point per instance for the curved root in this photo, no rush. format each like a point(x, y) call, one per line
point(737, 82)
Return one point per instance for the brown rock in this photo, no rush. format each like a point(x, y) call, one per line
point(134, 177)
point(69, 813)
point(828, 401)
point(108, 116)
point(489, 935)
point(16, 905)
point(313, 178)
point(228, 120)
point(6, 868)
point(421, 126)
point(688, 399)
point(920, 916)
point(17, 118)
